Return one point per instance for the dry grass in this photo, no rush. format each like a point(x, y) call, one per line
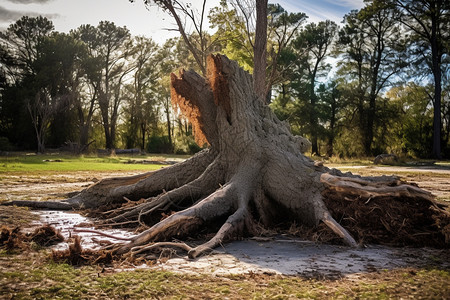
point(33, 276)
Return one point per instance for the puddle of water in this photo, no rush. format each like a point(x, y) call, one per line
point(66, 222)
point(288, 257)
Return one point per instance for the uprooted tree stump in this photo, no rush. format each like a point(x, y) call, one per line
point(253, 172)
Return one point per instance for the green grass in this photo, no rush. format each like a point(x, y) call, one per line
point(49, 280)
point(69, 163)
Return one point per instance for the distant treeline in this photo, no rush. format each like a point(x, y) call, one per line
point(379, 83)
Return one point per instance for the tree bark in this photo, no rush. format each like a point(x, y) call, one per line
point(436, 68)
point(260, 51)
point(254, 172)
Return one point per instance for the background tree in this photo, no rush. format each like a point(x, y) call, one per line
point(311, 47)
point(21, 39)
point(260, 50)
point(414, 122)
point(172, 55)
point(446, 110)
point(330, 99)
point(232, 33)
point(199, 42)
point(139, 93)
point(282, 28)
point(428, 22)
point(23, 42)
point(57, 79)
point(65, 60)
point(109, 45)
point(371, 46)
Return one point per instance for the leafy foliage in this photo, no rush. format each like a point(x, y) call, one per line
point(351, 94)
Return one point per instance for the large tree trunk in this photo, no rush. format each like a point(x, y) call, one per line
point(436, 151)
point(260, 51)
point(253, 172)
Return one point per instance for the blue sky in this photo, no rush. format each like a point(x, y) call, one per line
point(319, 10)
point(69, 14)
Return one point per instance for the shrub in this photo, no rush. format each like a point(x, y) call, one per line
point(159, 144)
point(5, 145)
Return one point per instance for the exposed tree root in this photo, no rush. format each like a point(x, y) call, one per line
point(114, 191)
point(56, 205)
point(76, 230)
point(160, 245)
point(174, 199)
point(339, 230)
point(254, 170)
point(232, 226)
point(183, 222)
point(373, 189)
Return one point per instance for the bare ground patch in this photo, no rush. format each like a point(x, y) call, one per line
point(43, 186)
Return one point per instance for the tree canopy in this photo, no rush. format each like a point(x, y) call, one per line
point(344, 87)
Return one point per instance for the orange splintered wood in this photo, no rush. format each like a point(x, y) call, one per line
point(219, 83)
point(183, 99)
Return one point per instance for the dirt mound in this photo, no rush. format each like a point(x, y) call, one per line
point(46, 236)
point(15, 239)
point(393, 222)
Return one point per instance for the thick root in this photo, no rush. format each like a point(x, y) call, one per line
point(194, 190)
point(373, 189)
point(111, 191)
point(56, 205)
point(185, 221)
point(157, 246)
point(339, 230)
point(233, 224)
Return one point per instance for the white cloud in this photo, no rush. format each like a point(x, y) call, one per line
point(7, 15)
point(29, 1)
point(353, 4)
point(10, 16)
point(320, 10)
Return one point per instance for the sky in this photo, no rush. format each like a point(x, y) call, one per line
point(152, 21)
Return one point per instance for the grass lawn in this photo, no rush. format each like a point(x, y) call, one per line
point(23, 162)
point(34, 276)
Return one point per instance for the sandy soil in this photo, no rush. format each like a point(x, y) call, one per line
point(277, 255)
point(51, 186)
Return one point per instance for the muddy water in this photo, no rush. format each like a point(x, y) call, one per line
point(68, 222)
